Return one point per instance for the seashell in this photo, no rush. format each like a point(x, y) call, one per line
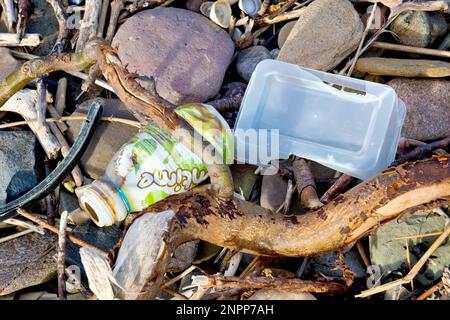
point(218, 11)
point(250, 7)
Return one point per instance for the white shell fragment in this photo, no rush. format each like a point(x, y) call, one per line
point(250, 7)
point(219, 12)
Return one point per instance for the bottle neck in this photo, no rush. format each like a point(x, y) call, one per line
point(102, 202)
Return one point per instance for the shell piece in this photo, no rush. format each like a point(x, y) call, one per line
point(250, 7)
point(219, 12)
point(205, 8)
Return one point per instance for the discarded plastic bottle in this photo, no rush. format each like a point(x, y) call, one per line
point(152, 166)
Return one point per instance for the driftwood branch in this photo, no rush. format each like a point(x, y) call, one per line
point(27, 40)
point(24, 7)
point(246, 227)
point(89, 24)
point(60, 261)
point(10, 11)
point(292, 285)
point(305, 185)
point(24, 103)
point(116, 8)
point(61, 17)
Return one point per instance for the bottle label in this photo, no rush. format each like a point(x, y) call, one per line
point(155, 165)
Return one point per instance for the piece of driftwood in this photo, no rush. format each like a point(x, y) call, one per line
point(63, 33)
point(286, 16)
point(306, 186)
point(60, 98)
point(294, 285)
point(12, 40)
point(403, 67)
point(244, 226)
point(24, 7)
point(89, 24)
point(24, 103)
point(116, 8)
point(338, 187)
point(410, 49)
point(60, 258)
point(423, 149)
point(77, 175)
point(102, 18)
point(26, 214)
point(54, 114)
point(10, 11)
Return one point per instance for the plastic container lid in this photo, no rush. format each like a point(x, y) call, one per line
point(347, 124)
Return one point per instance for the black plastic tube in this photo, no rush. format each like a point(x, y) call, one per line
point(46, 186)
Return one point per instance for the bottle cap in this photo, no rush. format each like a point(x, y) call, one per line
point(103, 203)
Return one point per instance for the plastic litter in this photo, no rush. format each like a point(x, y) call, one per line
point(347, 124)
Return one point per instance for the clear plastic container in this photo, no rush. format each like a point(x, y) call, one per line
point(347, 124)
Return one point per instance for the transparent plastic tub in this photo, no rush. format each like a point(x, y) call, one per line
point(347, 124)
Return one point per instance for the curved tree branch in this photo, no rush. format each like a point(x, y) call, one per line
point(151, 239)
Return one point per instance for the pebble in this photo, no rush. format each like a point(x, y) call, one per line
point(427, 107)
point(7, 63)
point(390, 255)
point(418, 28)
point(186, 53)
point(27, 261)
point(248, 59)
point(18, 164)
point(327, 32)
point(273, 192)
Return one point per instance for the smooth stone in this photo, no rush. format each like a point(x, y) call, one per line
point(428, 107)
point(273, 192)
point(18, 164)
point(103, 238)
point(43, 21)
point(284, 33)
point(185, 52)
point(244, 178)
point(67, 201)
point(409, 68)
point(275, 294)
point(7, 63)
point(26, 261)
point(390, 254)
point(327, 32)
point(326, 264)
point(183, 257)
point(248, 59)
point(108, 137)
point(418, 28)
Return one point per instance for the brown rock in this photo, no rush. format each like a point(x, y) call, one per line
point(284, 33)
point(427, 107)
point(327, 32)
point(107, 139)
point(26, 261)
point(7, 63)
point(273, 192)
point(186, 53)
